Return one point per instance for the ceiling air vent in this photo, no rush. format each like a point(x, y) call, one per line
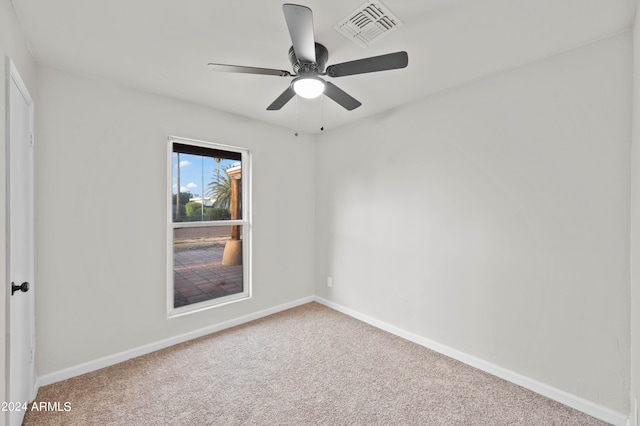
point(368, 23)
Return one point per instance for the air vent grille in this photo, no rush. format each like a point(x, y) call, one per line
point(368, 23)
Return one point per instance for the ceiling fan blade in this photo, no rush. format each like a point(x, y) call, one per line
point(247, 70)
point(300, 23)
point(282, 99)
point(341, 97)
point(386, 62)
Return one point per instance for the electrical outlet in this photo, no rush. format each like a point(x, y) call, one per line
point(329, 282)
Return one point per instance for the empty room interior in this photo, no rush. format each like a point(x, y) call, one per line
point(476, 194)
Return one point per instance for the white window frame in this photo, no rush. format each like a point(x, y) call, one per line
point(245, 222)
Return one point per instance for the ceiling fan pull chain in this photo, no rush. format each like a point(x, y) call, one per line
point(322, 113)
point(296, 115)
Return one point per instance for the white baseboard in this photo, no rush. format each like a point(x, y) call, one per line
point(580, 404)
point(107, 361)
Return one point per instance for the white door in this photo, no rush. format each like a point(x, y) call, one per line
point(20, 247)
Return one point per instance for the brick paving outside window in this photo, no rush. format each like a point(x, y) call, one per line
point(199, 275)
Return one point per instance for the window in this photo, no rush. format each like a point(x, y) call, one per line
point(209, 230)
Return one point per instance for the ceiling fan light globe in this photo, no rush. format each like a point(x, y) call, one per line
point(308, 87)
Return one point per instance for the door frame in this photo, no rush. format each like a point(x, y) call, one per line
point(12, 76)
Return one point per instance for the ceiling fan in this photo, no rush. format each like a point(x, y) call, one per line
point(309, 58)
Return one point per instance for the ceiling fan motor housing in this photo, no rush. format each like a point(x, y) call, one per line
point(304, 68)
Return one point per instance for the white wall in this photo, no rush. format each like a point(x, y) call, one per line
point(494, 218)
point(102, 251)
point(12, 44)
point(635, 231)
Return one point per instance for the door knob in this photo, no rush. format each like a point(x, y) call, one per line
point(24, 287)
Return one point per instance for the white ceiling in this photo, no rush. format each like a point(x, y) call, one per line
point(163, 46)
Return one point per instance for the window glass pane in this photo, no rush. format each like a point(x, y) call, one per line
point(207, 263)
point(206, 187)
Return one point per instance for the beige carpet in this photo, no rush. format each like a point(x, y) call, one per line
point(308, 365)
